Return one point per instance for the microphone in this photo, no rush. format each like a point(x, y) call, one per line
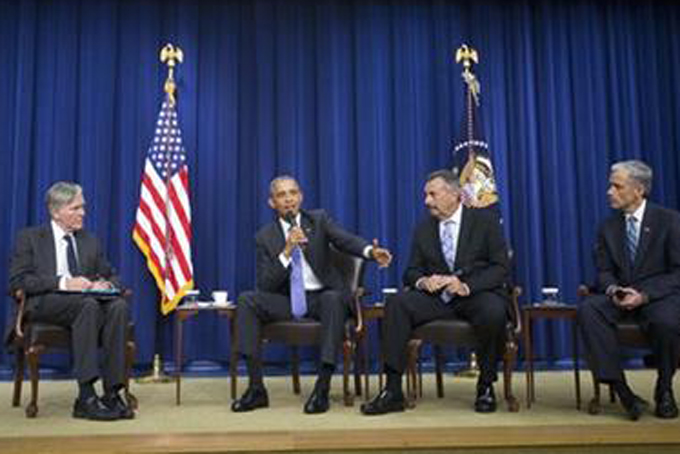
point(291, 219)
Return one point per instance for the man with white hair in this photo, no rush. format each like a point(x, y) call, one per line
point(69, 282)
point(637, 256)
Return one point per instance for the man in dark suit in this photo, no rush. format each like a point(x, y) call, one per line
point(69, 282)
point(458, 268)
point(637, 255)
point(284, 280)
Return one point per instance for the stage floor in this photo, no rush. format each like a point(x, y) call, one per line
point(204, 422)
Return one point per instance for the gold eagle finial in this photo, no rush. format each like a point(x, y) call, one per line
point(171, 55)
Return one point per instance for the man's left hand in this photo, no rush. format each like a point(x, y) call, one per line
point(381, 255)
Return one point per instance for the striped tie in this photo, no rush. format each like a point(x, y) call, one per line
point(449, 251)
point(631, 238)
point(298, 298)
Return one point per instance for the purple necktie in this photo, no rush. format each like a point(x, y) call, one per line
point(298, 299)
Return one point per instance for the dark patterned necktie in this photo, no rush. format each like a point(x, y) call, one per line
point(631, 238)
point(71, 258)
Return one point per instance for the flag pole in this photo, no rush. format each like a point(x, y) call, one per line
point(169, 55)
point(467, 56)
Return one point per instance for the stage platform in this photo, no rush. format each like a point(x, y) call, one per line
point(204, 422)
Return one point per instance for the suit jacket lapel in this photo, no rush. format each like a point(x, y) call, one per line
point(49, 255)
point(646, 228)
point(463, 235)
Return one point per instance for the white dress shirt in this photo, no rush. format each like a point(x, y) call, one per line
point(60, 248)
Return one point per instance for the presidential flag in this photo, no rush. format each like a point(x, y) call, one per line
point(472, 159)
point(163, 223)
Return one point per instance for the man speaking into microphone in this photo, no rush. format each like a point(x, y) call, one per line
point(296, 279)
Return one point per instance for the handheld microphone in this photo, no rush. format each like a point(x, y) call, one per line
point(291, 219)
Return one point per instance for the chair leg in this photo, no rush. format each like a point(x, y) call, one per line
point(413, 352)
point(594, 406)
point(18, 376)
point(438, 371)
point(32, 357)
point(129, 360)
point(295, 361)
point(358, 366)
point(509, 359)
point(347, 349)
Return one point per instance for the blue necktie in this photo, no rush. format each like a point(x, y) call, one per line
point(298, 299)
point(71, 258)
point(631, 238)
point(448, 246)
point(449, 251)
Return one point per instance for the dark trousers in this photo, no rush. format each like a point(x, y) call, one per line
point(255, 308)
point(659, 321)
point(93, 323)
point(487, 312)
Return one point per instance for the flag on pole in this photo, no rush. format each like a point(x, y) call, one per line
point(162, 228)
point(472, 160)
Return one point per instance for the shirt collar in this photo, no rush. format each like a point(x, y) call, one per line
point(285, 225)
point(455, 217)
point(640, 212)
point(59, 233)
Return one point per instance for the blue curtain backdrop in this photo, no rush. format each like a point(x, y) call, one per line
point(359, 100)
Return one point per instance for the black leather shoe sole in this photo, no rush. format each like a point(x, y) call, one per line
point(666, 411)
point(381, 407)
point(94, 414)
point(239, 406)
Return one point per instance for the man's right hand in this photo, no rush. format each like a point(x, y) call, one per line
point(78, 283)
point(434, 283)
point(296, 237)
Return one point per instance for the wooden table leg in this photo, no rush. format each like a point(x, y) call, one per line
point(529, 357)
point(577, 376)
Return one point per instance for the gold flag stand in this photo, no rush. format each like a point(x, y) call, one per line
point(472, 371)
point(157, 374)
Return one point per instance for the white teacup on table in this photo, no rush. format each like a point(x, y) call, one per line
point(220, 297)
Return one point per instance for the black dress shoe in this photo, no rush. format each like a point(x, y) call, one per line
point(254, 397)
point(634, 407)
point(93, 409)
point(486, 399)
point(666, 407)
point(116, 404)
point(317, 402)
point(385, 402)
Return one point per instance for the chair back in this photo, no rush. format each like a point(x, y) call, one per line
point(351, 268)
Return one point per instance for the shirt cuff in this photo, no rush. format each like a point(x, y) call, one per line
point(418, 282)
point(285, 261)
point(62, 282)
point(466, 289)
point(368, 252)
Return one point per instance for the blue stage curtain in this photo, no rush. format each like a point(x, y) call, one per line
point(359, 100)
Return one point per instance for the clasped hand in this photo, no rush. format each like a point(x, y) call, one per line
point(381, 255)
point(627, 297)
point(449, 283)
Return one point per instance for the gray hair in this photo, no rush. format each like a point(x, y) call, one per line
point(277, 180)
point(636, 170)
point(449, 177)
point(61, 193)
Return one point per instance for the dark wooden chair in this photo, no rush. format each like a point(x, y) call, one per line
point(31, 339)
point(459, 332)
point(306, 331)
point(630, 335)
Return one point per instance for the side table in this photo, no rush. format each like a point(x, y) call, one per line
point(186, 311)
point(556, 311)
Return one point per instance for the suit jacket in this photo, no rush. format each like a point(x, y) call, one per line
point(481, 254)
point(33, 263)
point(656, 270)
point(322, 232)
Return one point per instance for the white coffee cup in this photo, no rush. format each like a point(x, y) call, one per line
point(220, 296)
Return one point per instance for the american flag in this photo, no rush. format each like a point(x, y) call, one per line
point(163, 223)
